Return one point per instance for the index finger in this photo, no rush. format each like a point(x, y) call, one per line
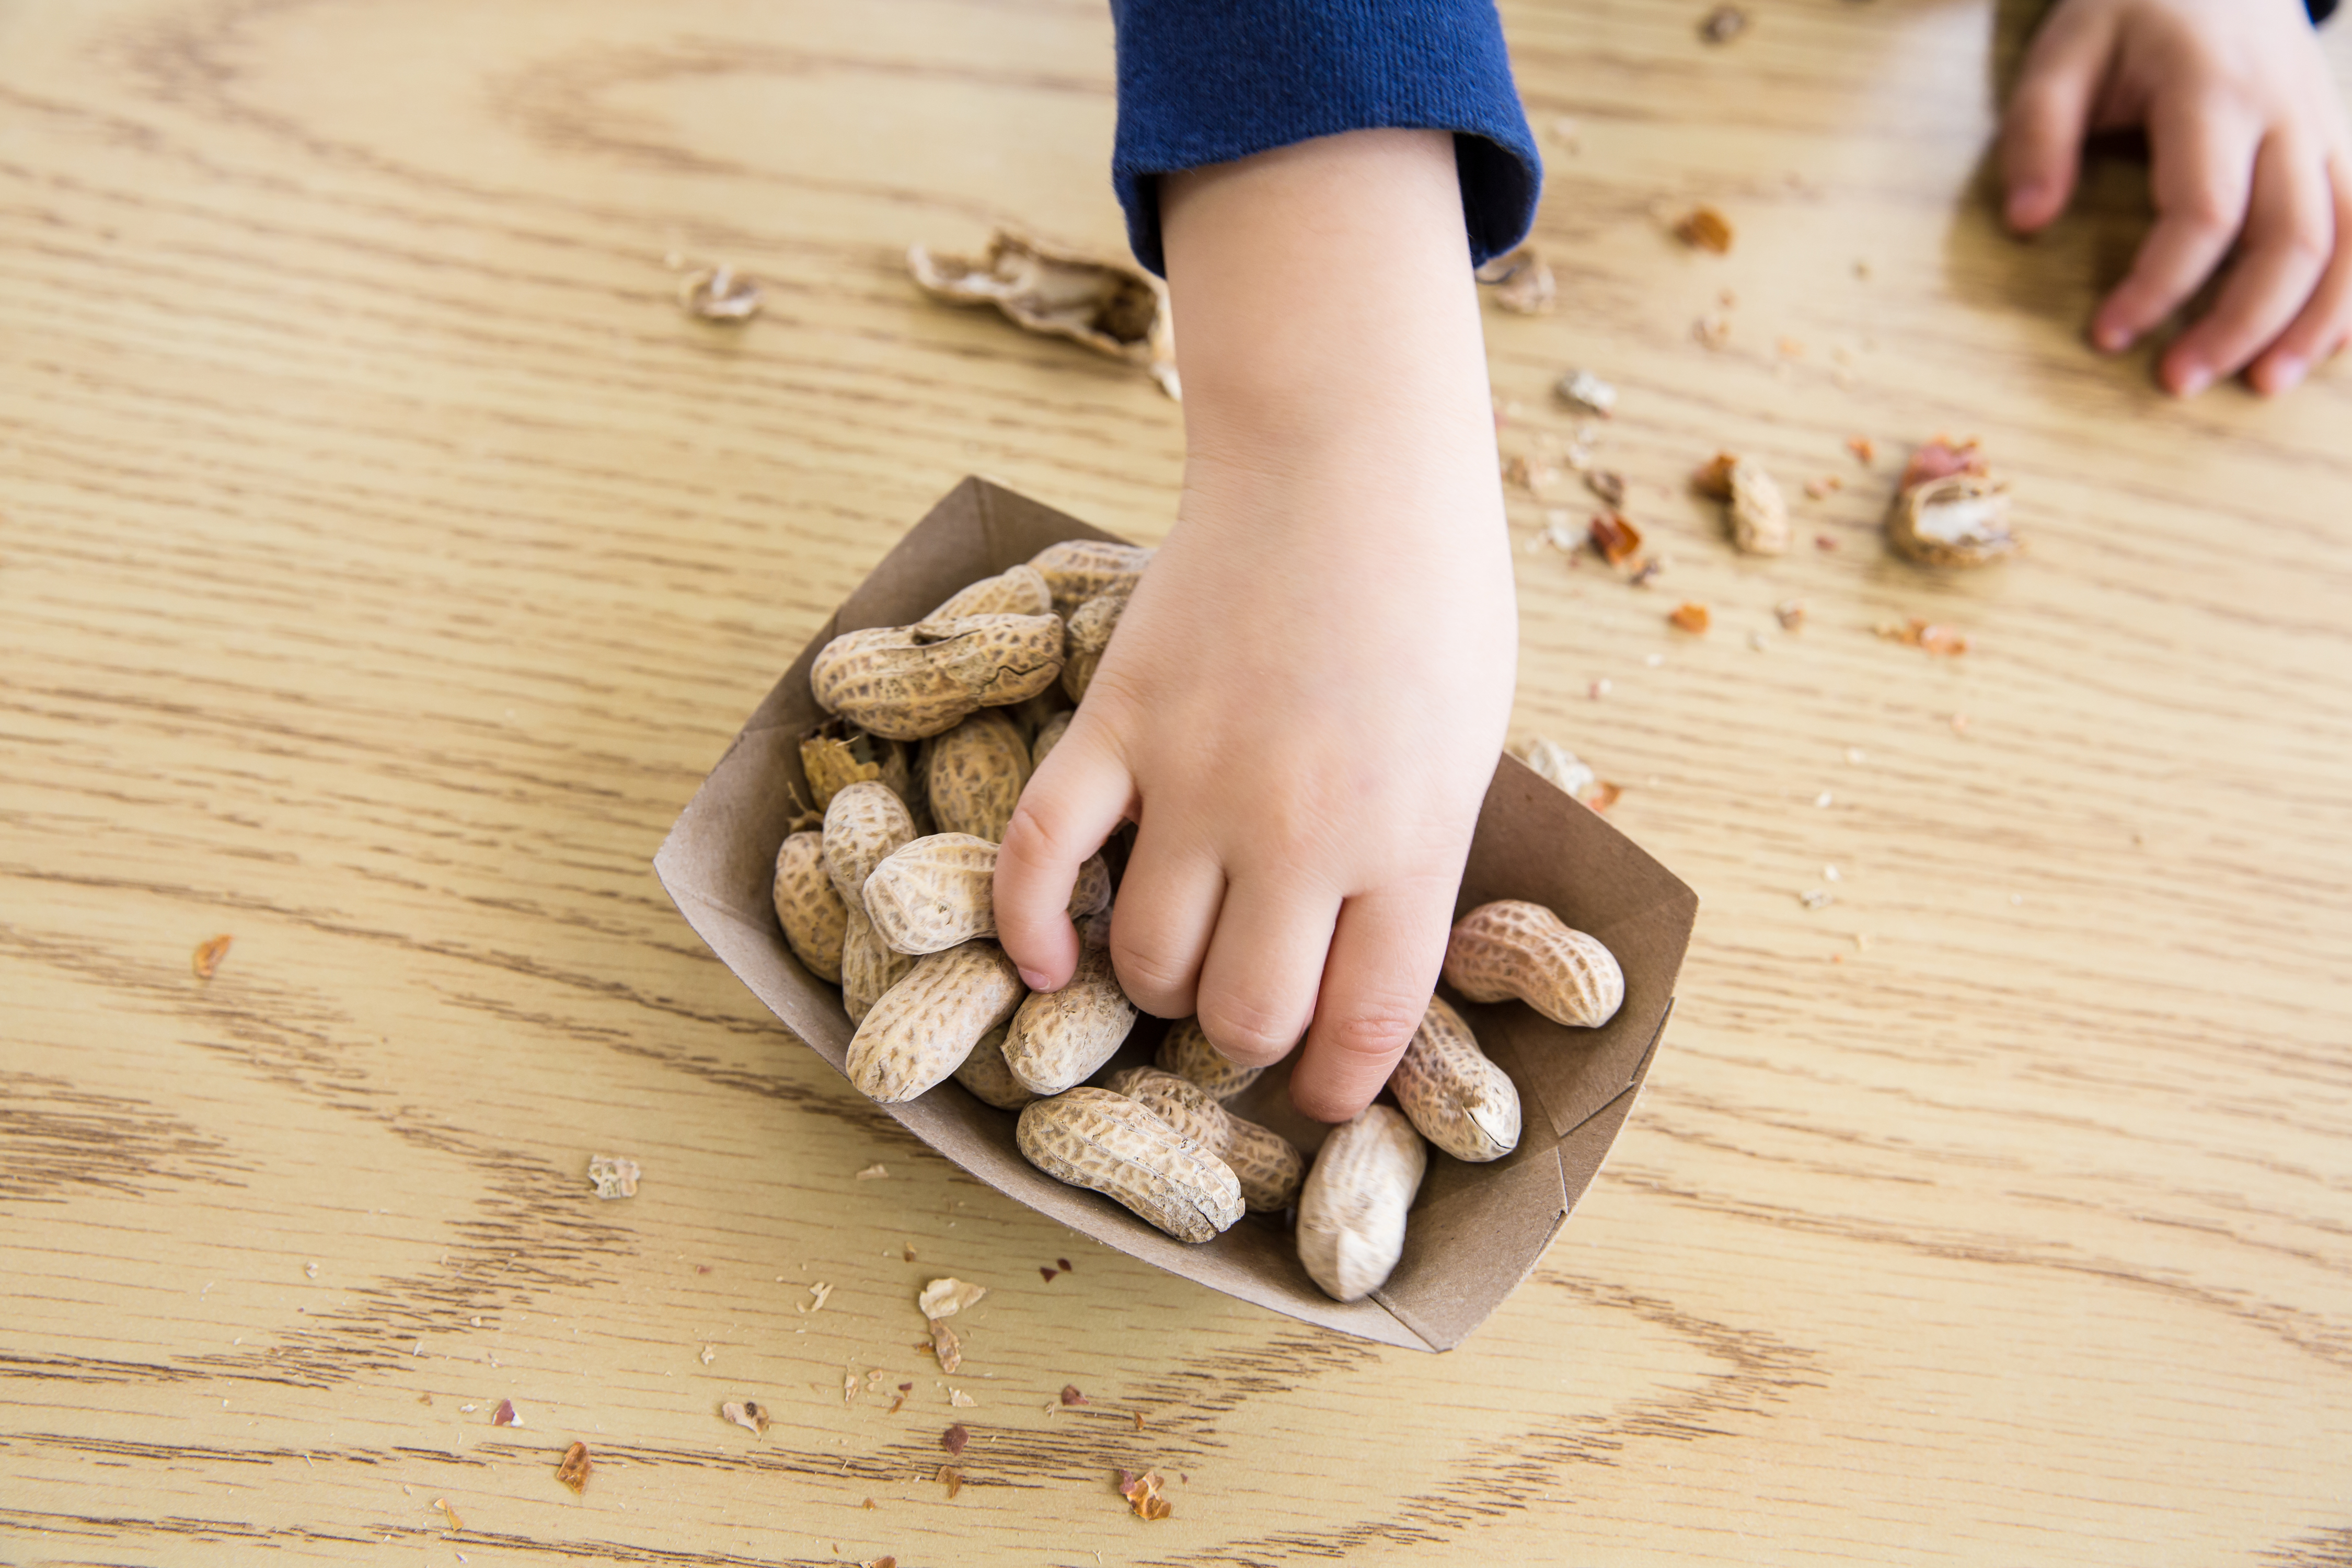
point(1074, 802)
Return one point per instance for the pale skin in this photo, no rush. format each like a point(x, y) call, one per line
point(1304, 702)
point(2250, 171)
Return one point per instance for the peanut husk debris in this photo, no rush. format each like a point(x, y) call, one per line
point(1523, 282)
point(1948, 509)
point(1473, 1229)
point(1114, 308)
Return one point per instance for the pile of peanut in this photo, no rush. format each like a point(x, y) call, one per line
point(936, 728)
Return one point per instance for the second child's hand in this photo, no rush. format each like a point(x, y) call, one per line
point(2250, 155)
point(1303, 701)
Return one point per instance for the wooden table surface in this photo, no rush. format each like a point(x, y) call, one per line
point(384, 558)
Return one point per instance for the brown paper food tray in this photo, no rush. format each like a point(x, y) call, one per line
point(1476, 1230)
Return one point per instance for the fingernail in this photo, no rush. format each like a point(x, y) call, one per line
point(2111, 338)
point(2022, 202)
point(2286, 374)
point(2194, 379)
point(1033, 979)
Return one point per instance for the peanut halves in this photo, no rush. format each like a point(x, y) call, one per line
point(1455, 1095)
point(1512, 948)
point(1351, 1211)
point(1095, 1139)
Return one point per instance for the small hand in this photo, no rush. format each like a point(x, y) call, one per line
point(2249, 149)
point(1303, 701)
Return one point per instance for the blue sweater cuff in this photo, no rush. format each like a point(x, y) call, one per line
point(1208, 82)
point(2321, 9)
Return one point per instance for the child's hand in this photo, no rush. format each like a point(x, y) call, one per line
point(2248, 147)
point(1303, 701)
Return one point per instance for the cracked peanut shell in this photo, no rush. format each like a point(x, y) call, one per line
point(1105, 1142)
point(1059, 1038)
point(1185, 1051)
point(939, 890)
point(1351, 1211)
point(1112, 306)
point(1960, 520)
point(924, 1028)
point(1078, 570)
point(1754, 508)
point(975, 776)
point(1456, 1096)
point(1268, 1165)
point(906, 683)
point(808, 906)
point(1513, 948)
point(836, 754)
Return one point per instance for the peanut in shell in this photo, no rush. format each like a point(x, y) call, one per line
point(1076, 570)
point(1455, 1095)
point(863, 825)
point(1059, 1038)
point(925, 1025)
point(975, 776)
point(1095, 1139)
point(990, 1080)
point(905, 683)
point(1268, 1165)
point(1185, 1051)
point(1049, 735)
point(1513, 948)
point(939, 890)
point(1351, 1211)
point(1016, 591)
point(869, 967)
point(1087, 633)
point(808, 906)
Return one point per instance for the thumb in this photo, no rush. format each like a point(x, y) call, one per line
point(1074, 802)
point(2050, 113)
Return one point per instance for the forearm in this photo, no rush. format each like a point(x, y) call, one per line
point(1327, 320)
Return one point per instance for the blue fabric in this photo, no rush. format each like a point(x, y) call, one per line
point(2321, 9)
point(1208, 82)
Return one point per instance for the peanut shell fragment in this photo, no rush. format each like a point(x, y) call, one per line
point(976, 774)
point(905, 683)
point(1757, 513)
point(1351, 1211)
point(939, 890)
point(1106, 1142)
point(1960, 520)
point(1060, 1038)
point(1185, 1051)
point(1268, 1165)
point(1455, 1095)
point(1511, 948)
point(809, 907)
point(925, 1025)
point(1114, 308)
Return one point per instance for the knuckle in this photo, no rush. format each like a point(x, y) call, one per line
point(1246, 1031)
point(1374, 1028)
point(1149, 977)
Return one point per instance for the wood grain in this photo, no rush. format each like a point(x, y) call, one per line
point(384, 558)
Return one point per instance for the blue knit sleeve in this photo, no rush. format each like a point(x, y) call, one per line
point(2321, 9)
point(1207, 81)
